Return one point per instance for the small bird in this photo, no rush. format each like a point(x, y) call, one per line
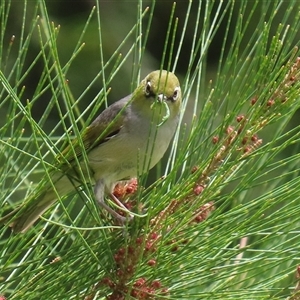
point(127, 139)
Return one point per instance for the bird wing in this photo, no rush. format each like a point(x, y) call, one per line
point(103, 128)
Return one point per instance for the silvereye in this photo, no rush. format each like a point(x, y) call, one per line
point(126, 139)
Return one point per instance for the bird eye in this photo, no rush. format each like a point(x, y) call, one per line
point(148, 88)
point(176, 93)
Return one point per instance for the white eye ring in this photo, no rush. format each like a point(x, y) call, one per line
point(148, 88)
point(176, 93)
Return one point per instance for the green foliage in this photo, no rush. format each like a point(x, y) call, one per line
point(223, 221)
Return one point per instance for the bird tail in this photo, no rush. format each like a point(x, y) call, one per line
point(23, 217)
point(27, 213)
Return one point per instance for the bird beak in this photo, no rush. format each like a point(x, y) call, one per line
point(161, 97)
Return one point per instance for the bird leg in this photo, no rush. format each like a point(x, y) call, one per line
point(121, 205)
point(99, 194)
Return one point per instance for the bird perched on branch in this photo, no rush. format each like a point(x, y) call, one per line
point(125, 140)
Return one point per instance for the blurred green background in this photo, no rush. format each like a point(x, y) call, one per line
point(117, 18)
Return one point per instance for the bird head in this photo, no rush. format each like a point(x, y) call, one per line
point(159, 94)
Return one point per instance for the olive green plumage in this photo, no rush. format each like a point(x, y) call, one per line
point(126, 139)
